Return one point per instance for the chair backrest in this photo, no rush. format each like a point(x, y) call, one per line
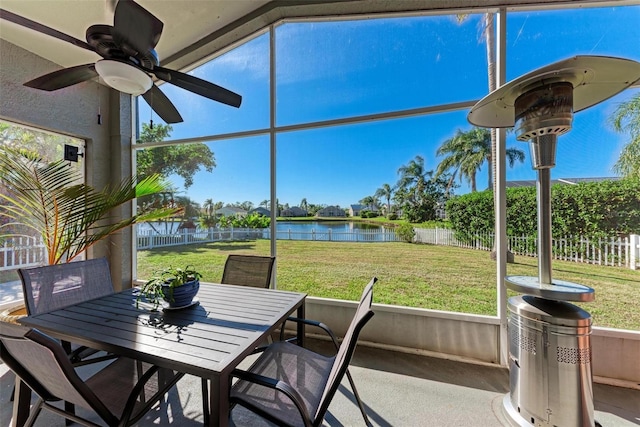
point(56, 286)
point(44, 366)
point(248, 270)
point(346, 350)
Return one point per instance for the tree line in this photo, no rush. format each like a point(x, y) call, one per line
point(419, 192)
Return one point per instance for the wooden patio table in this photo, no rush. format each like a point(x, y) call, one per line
point(207, 340)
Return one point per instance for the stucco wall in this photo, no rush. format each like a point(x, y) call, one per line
point(466, 336)
point(74, 111)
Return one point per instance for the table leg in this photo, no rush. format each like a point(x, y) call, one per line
point(21, 403)
point(219, 401)
point(301, 328)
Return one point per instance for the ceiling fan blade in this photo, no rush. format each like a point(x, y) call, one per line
point(199, 86)
point(28, 23)
point(159, 102)
point(63, 78)
point(136, 27)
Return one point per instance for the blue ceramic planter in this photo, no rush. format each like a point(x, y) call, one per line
point(181, 296)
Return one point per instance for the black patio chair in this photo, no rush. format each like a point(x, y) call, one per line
point(293, 386)
point(51, 287)
point(242, 270)
point(116, 393)
point(248, 270)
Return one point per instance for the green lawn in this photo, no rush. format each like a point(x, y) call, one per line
point(428, 276)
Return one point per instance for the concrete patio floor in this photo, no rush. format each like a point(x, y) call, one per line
point(398, 390)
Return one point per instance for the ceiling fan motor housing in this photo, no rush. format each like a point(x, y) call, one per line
point(129, 59)
point(542, 114)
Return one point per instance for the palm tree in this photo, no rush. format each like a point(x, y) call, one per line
point(626, 118)
point(386, 192)
point(414, 177)
point(47, 200)
point(208, 205)
point(417, 193)
point(465, 154)
point(303, 204)
point(488, 35)
point(369, 202)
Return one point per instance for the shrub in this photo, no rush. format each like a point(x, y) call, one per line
point(406, 232)
point(368, 214)
point(392, 216)
point(595, 209)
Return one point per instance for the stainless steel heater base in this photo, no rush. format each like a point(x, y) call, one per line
point(549, 364)
point(511, 414)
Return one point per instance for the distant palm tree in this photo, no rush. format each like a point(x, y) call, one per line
point(465, 154)
point(626, 118)
point(414, 173)
point(303, 204)
point(208, 205)
point(264, 203)
point(386, 192)
point(488, 36)
point(369, 202)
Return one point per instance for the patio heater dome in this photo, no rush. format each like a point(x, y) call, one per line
point(593, 78)
point(549, 339)
point(541, 105)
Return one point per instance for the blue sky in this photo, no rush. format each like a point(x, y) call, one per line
point(334, 70)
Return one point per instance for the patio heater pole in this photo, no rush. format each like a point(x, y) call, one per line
point(549, 339)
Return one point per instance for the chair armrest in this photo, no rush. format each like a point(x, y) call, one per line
point(280, 386)
point(311, 323)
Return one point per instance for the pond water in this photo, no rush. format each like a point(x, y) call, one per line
point(345, 231)
point(325, 226)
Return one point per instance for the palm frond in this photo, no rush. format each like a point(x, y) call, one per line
point(70, 217)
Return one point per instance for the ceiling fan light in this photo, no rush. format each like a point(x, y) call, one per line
point(124, 77)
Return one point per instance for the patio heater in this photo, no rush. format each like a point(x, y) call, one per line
point(549, 338)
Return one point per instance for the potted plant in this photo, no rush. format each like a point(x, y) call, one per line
point(177, 286)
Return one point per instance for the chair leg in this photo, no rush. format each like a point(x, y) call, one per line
point(140, 371)
point(22, 403)
point(205, 400)
point(357, 396)
point(71, 408)
point(34, 414)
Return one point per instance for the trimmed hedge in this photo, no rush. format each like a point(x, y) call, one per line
point(595, 209)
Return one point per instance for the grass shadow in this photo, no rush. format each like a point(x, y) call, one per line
point(202, 248)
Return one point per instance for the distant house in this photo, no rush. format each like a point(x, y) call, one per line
point(260, 210)
point(566, 181)
point(293, 211)
point(231, 211)
point(354, 210)
point(329, 211)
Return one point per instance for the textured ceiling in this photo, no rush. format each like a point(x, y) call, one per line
point(184, 23)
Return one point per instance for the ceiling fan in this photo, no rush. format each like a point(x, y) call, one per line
point(129, 60)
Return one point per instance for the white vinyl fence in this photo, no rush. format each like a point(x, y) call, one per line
point(615, 251)
point(355, 235)
point(623, 252)
point(18, 252)
point(152, 239)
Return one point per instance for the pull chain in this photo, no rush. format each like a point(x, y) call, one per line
point(151, 112)
point(99, 106)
